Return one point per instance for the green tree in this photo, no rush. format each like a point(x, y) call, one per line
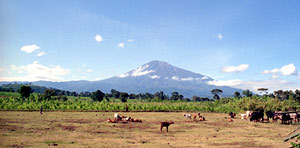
point(216, 92)
point(25, 91)
point(98, 95)
point(263, 91)
point(174, 96)
point(160, 95)
point(132, 96)
point(237, 94)
point(124, 96)
point(247, 93)
point(48, 93)
point(216, 97)
point(115, 93)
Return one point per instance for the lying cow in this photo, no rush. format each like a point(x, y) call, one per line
point(243, 116)
point(232, 115)
point(117, 117)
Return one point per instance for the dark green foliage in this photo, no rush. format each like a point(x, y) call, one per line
point(216, 93)
point(73, 93)
point(61, 97)
point(216, 97)
point(160, 95)
point(15, 87)
point(247, 93)
point(85, 94)
point(98, 95)
point(25, 91)
point(115, 93)
point(6, 89)
point(176, 96)
point(132, 96)
point(124, 96)
point(237, 94)
point(199, 99)
point(48, 93)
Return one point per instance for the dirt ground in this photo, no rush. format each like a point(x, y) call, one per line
point(90, 129)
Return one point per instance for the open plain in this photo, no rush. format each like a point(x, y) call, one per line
point(90, 129)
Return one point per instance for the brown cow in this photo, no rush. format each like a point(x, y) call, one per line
point(111, 121)
point(165, 124)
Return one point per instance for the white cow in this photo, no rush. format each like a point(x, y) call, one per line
point(188, 116)
point(243, 116)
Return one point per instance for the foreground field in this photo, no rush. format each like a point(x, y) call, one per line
point(90, 129)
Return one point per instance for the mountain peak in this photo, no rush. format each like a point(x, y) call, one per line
point(156, 62)
point(164, 71)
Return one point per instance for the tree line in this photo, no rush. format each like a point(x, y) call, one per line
point(57, 94)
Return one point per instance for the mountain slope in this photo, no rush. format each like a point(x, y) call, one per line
point(151, 77)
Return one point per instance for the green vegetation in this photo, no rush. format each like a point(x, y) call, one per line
point(55, 99)
point(25, 91)
point(13, 101)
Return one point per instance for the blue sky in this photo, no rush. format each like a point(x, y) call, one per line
point(244, 44)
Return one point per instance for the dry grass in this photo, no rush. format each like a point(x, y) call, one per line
point(90, 129)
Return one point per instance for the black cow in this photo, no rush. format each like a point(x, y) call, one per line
point(232, 115)
point(257, 116)
point(270, 114)
point(286, 118)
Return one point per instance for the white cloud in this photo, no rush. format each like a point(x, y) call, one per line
point(220, 36)
point(175, 78)
point(286, 70)
point(141, 71)
point(89, 70)
point(29, 48)
point(225, 83)
point(289, 69)
point(97, 79)
point(121, 45)
point(123, 75)
point(36, 72)
point(187, 79)
point(41, 54)
point(272, 85)
point(155, 77)
point(131, 40)
point(204, 78)
point(238, 68)
point(273, 71)
point(98, 38)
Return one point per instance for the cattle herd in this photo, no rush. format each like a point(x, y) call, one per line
point(255, 116)
point(258, 116)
